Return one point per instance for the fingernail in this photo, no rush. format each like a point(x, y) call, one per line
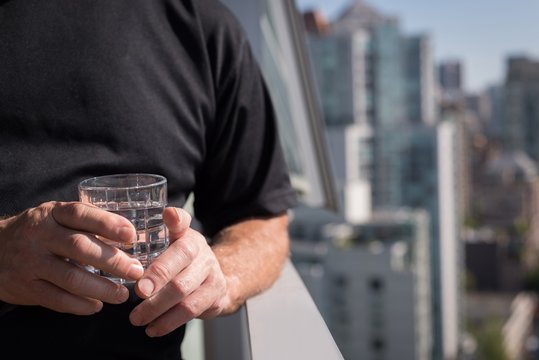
point(178, 212)
point(145, 286)
point(135, 271)
point(98, 307)
point(151, 332)
point(135, 318)
point(123, 295)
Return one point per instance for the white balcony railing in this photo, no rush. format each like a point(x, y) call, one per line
point(282, 323)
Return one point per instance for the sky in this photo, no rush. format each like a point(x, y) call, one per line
point(479, 33)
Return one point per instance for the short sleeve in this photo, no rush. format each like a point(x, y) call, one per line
point(245, 174)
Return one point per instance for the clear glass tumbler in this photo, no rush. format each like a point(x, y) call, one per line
point(140, 198)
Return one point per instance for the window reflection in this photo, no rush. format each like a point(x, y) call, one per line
point(274, 68)
point(276, 35)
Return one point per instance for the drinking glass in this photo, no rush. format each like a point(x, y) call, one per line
point(140, 198)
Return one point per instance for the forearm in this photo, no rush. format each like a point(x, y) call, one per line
point(251, 255)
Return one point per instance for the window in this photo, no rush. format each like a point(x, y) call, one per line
point(376, 284)
point(277, 38)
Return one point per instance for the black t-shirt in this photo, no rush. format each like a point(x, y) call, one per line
point(94, 87)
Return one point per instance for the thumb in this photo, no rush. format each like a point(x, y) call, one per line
point(177, 221)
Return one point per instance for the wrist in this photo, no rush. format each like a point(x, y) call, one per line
point(232, 299)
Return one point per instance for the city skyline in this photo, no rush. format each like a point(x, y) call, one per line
point(481, 42)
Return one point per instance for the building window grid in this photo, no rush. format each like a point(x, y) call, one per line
point(375, 291)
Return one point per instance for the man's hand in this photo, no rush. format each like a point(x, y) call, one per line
point(35, 247)
point(193, 280)
point(183, 283)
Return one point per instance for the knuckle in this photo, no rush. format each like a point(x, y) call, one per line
point(78, 243)
point(187, 251)
point(182, 286)
point(72, 209)
point(58, 211)
point(73, 278)
point(215, 309)
point(37, 214)
point(189, 308)
point(161, 271)
point(32, 221)
point(116, 260)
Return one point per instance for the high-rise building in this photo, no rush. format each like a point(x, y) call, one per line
point(521, 125)
point(350, 147)
point(369, 72)
point(450, 247)
point(424, 173)
point(386, 273)
point(371, 281)
point(340, 66)
point(494, 122)
point(450, 76)
point(361, 15)
point(421, 89)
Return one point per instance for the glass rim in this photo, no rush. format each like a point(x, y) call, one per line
point(89, 183)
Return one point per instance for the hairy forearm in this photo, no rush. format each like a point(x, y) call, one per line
point(252, 254)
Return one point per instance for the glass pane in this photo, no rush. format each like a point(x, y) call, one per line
point(272, 27)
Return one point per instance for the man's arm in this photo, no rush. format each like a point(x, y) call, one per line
point(252, 254)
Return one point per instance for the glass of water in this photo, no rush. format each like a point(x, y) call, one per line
point(140, 198)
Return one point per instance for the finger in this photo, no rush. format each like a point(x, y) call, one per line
point(78, 281)
point(169, 264)
point(87, 249)
point(89, 218)
point(186, 310)
point(188, 281)
point(54, 298)
point(177, 221)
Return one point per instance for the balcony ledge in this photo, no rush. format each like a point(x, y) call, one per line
point(281, 323)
